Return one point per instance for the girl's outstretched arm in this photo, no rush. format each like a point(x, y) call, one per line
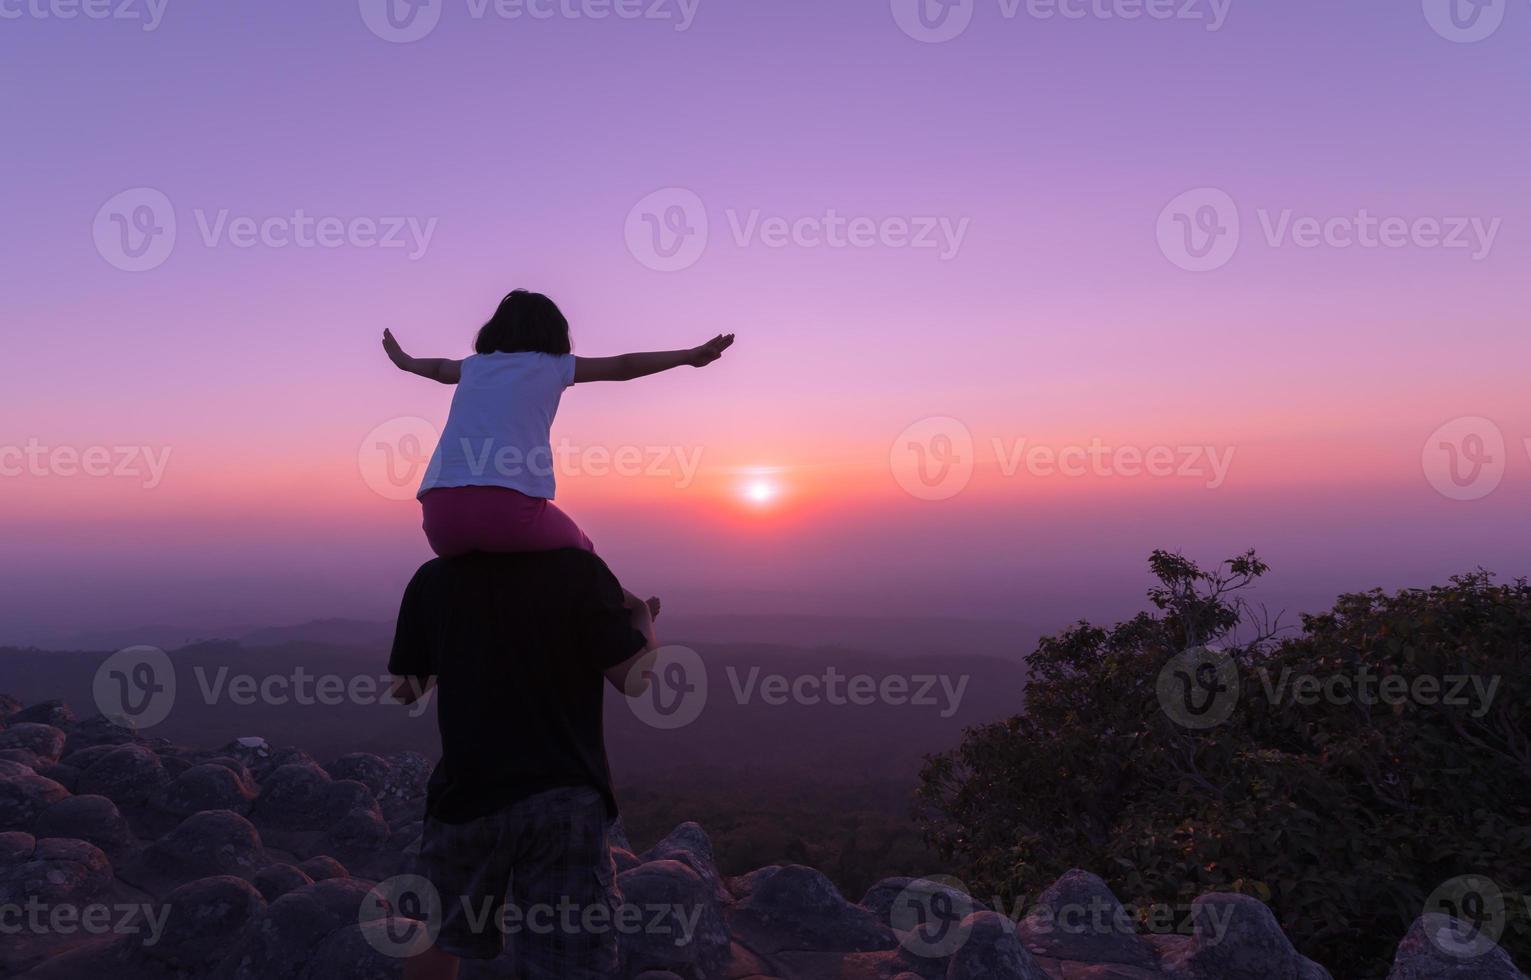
point(442, 369)
point(626, 367)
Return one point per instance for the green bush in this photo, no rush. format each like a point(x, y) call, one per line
point(1343, 817)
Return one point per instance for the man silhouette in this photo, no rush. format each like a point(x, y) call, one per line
point(514, 841)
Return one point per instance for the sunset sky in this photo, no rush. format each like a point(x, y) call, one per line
point(1040, 159)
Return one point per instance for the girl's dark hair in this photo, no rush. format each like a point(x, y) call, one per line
point(525, 322)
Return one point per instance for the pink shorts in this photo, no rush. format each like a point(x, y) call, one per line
point(459, 520)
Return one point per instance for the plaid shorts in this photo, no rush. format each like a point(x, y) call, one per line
point(537, 874)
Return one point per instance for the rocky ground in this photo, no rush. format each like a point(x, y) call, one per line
point(129, 857)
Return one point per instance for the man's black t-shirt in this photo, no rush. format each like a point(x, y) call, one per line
point(518, 644)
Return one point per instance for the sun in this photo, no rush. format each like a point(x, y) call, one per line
point(761, 492)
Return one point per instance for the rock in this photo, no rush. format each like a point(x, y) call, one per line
point(357, 835)
point(95, 731)
point(795, 907)
point(204, 919)
point(66, 776)
point(1078, 918)
point(293, 797)
point(59, 871)
point(204, 845)
point(1439, 947)
point(690, 845)
point(8, 707)
point(694, 943)
point(55, 713)
point(348, 952)
point(205, 787)
point(408, 773)
point(277, 880)
point(363, 767)
point(991, 950)
point(83, 759)
point(880, 898)
point(345, 796)
point(323, 868)
point(24, 757)
point(235, 766)
point(1235, 937)
point(128, 775)
point(15, 847)
point(24, 795)
point(44, 741)
point(89, 818)
point(624, 859)
point(290, 932)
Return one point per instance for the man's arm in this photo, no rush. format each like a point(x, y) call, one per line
point(442, 369)
point(631, 676)
point(626, 367)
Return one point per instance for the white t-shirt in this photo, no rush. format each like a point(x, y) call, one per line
point(497, 432)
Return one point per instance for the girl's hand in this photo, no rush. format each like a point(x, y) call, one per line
point(395, 352)
point(710, 351)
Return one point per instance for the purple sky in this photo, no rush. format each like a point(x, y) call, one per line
point(1019, 188)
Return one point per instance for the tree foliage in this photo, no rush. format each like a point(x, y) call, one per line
point(1343, 811)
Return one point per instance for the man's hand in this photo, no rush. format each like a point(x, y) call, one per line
point(710, 351)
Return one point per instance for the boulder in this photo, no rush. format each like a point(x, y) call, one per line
point(97, 730)
point(129, 775)
point(204, 919)
point(1439, 947)
point(24, 795)
point(205, 787)
point(363, 767)
point(286, 937)
point(66, 776)
point(690, 845)
point(8, 707)
point(323, 868)
point(992, 950)
point(796, 907)
point(59, 871)
point(294, 797)
point(1078, 918)
point(55, 713)
point(690, 939)
point(15, 847)
point(204, 845)
point(44, 741)
point(408, 774)
point(1235, 937)
point(89, 818)
point(278, 879)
